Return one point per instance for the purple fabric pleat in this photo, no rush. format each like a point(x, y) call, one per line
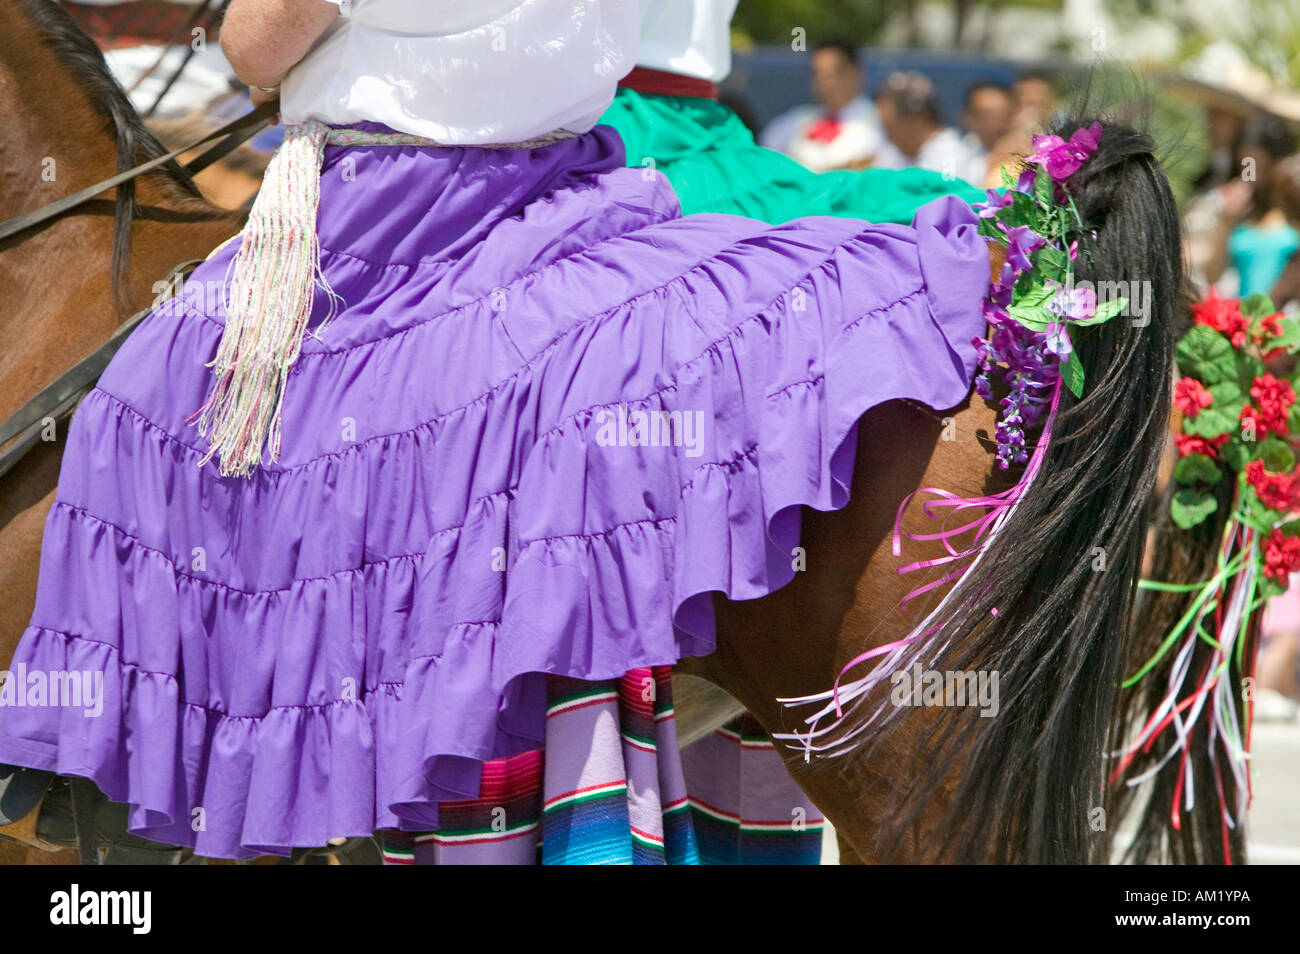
point(336, 643)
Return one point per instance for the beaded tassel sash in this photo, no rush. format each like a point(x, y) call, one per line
point(272, 282)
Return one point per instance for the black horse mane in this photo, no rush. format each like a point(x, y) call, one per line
point(78, 54)
point(1029, 784)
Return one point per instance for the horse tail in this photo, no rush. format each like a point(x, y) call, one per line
point(1163, 830)
point(1047, 606)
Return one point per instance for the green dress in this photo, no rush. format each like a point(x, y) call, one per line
point(714, 164)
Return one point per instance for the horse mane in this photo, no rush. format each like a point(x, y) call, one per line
point(1049, 605)
point(78, 54)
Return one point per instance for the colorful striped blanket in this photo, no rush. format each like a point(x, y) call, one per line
point(611, 788)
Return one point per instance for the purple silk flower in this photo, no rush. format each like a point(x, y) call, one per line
point(1022, 241)
point(1062, 159)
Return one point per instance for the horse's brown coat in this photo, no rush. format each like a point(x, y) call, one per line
point(55, 289)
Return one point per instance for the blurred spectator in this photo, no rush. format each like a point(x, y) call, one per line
point(1239, 229)
point(1033, 109)
point(1286, 185)
point(987, 119)
point(1223, 130)
point(1035, 102)
point(844, 130)
point(917, 137)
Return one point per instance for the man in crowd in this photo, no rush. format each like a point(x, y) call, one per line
point(987, 117)
point(917, 137)
point(1035, 101)
point(843, 132)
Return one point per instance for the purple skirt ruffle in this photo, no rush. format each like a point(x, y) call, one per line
point(335, 644)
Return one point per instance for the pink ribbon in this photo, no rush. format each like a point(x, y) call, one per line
point(998, 506)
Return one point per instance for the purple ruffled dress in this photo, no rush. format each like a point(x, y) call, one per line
point(476, 484)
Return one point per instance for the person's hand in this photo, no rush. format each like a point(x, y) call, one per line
point(260, 96)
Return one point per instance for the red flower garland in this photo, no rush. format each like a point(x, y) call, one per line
point(1190, 444)
point(1275, 399)
point(1281, 556)
point(1223, 315)
point(1190, 396)
point(1277, 491)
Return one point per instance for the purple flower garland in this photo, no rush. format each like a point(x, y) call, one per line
point(1032, 304)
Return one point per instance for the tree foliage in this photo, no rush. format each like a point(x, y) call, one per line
point(774, 21)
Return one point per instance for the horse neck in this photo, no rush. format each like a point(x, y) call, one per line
point(57, 281)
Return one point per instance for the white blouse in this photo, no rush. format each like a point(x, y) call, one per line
point(687, 37)
point(466, 72)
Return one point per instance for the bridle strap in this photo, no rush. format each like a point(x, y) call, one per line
point(62, 397)
point(193, 20)
point(235, 132)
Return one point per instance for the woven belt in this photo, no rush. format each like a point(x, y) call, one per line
point(271, 290)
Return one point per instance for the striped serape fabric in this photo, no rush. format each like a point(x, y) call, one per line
point(745, 808)
point(609, 789)
point(500, 827)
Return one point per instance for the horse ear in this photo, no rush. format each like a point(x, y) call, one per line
point(997, 256)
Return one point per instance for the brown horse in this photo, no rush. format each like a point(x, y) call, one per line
point(68, 285)
point(926, 784)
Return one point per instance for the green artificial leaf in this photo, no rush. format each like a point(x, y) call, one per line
point(1228, 400)
point(1248, 369)
point(1206, 355)
point(1022, 208)
point(1105, 312)
point(1196, 468)
point(1052, 262)
point(1276, 454)
point(1030, 309)
point(1257, 306)
point(1290, 336)
point(1044, 194)
point(1008, 180)
point(1293, 416)
point(1235, 455)
point(1291, 528)
point(1266, 587)
point(1072, 369)
point(1191, 506)
point(1024, 284)
point(1252, 504)
point(1227, 394)
point(1211, 422)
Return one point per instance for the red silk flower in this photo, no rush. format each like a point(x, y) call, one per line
point(1190, 396)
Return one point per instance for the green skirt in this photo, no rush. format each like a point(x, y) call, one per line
point(714, 164)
